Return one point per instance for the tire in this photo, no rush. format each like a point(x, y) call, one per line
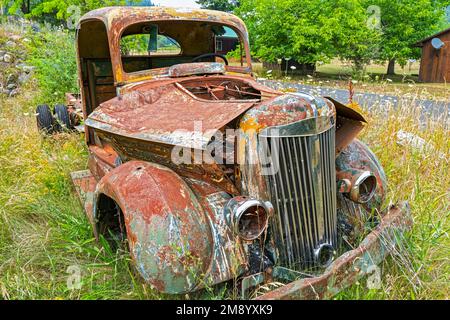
point(45, 120)
point(63, 117)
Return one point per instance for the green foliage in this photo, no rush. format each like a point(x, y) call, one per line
point(234, 54)
point(314, 30)
point(138, 44)
point(222, 5)
point(53, 55)
point(60, 9)
point(405, 22)
point(135, 44)
point(354, 39)
point(307, 30)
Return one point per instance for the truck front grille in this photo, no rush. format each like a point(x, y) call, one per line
point(303, 192)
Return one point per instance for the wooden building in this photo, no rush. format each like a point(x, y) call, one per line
point(225, 44)
point(435, 62)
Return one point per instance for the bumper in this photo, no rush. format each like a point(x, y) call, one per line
point(352, 265)
point(343, 272)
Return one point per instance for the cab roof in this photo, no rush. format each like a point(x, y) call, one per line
point(100, 31)
point(120, 17)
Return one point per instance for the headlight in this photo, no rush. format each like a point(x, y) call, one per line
point(248, 217)
point(359, 186)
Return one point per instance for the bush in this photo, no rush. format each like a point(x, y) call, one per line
point(52, 53)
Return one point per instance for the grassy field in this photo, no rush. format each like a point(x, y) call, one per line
point(43, 230)
point(44, 234)
point(337, 74)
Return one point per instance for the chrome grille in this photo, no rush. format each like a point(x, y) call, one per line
point(303, 192)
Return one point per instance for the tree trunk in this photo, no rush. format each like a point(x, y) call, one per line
point(25, 6)
point(391, 67)
point(358, 65)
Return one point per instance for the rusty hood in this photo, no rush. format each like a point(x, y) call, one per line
point(166, 114)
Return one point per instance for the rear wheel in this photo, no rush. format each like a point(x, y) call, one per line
point(63, 116)
point(45, 120)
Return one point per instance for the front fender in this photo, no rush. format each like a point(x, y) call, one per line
point(358, 156)
point(169, 236)
point(352, 216)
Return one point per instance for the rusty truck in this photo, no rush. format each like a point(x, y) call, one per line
point(208, 176)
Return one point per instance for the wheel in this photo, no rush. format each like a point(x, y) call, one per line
point(45, 120)
point(62, 116)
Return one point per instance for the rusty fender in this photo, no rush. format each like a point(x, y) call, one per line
point(362, 187)
point(352, 265)
point(355, 159)
point(173, 240)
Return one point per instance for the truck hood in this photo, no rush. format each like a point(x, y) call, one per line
point(167, 114)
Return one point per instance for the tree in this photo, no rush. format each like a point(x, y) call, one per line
point(221, 5)
point(281, 29)
point(59, 9)
point(403, 23)
point(357, 38)
point(16, 6)
point(308, 30)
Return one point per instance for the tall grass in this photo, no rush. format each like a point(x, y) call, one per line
point(43, 230)
point(419, 269)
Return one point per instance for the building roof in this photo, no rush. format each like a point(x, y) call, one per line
point(421, 42)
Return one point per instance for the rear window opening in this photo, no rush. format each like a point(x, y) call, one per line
point(142, 45)
point(162, 44)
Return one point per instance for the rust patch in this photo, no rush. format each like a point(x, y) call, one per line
point(189, 69)
point(169, 236)
point(167, 115)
